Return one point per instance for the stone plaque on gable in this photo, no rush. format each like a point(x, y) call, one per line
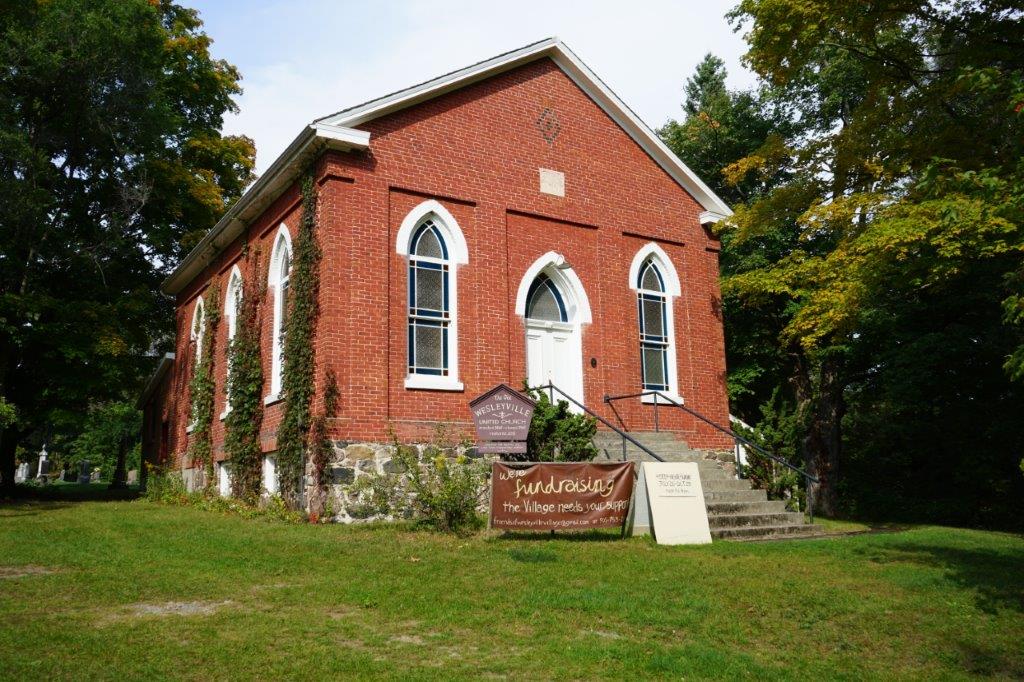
point(678, 513)
point(502, 419)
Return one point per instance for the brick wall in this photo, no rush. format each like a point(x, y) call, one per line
point(478, 152)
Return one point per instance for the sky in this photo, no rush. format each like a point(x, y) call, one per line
point(303, 59)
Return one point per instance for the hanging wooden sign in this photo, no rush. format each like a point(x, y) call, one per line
point(502, 419)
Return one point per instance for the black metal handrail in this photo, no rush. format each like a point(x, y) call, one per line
point(808, 478)
point(551, 388)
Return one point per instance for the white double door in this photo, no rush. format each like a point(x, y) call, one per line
point(554, 354)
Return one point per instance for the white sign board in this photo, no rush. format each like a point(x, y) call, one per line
point(679, 515)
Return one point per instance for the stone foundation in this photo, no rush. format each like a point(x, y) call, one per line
point(348, 462)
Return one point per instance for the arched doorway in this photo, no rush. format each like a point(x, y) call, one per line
point(554, 307)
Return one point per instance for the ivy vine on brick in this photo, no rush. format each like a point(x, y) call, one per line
point(297, 377)
point(201, 389)
point(245, 388)
point(320, 446)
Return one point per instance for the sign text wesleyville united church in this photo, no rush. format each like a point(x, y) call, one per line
point(502, 419)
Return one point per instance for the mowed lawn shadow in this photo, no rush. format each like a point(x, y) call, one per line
point(571, 536)
point(58, 495)
point(996, 576)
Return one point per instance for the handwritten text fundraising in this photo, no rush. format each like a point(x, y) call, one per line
point(553, 496)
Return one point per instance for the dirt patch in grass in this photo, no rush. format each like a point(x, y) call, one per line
point(408, 639)
point(24, 571)
point(178, 608)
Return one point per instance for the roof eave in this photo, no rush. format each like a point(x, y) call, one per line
point(261, 193)
point(154, 380)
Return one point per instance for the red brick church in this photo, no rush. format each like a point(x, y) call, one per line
point(511, 220)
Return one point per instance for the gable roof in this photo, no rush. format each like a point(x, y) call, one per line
point(338, 131)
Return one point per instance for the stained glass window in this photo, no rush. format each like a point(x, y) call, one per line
point(653, 311)
point(429, 301)
point(543, 302)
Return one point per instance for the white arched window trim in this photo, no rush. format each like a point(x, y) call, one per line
point(196, 335)
point(565, 278)
point(232, 300)
point(673, 290)
point(458, 254)
point(282, 249)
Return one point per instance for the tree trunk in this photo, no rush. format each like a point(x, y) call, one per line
point(118, 479)
point(8, 446)
point(822, 405)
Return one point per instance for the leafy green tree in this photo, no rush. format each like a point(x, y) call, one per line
point(109, 440)
point(111, 167)
point(722, 126)
point(897, 284)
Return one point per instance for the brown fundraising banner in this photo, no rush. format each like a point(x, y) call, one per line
point(560, 496)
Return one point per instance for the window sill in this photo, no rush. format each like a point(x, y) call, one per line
point(272, 398)
point(649, 399)
point(432, 383)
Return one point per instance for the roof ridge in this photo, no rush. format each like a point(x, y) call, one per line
point(552, 39)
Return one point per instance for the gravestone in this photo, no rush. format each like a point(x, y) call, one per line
point(22, 474)
point(132, 477)
point(44, 464)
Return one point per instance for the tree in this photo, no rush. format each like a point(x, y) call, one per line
point(109, 440)
point(900, 223)
point(111, 166)
point(721, 127)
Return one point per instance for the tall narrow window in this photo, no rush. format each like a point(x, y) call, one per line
point(232, 301)
point(429, 301)
point(280, 273)
point(654, 338)
point(197, 336)
point(198, 330)
point(434, 245)
point(656, 283)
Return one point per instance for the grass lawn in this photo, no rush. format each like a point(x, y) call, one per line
point(134, 590)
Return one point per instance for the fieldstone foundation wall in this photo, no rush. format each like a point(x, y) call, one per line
point(351, 461)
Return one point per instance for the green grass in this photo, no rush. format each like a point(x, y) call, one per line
point(83, 587)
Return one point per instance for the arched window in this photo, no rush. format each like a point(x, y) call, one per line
point(196, 337)
point(656, 283)
point(543, 302)
point(434, 245)
point(429, 302)
point(197, 332)
point(280, 273)
point(232, 302)
point(653, 328)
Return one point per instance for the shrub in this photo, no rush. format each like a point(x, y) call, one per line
point(166, 486)
point(558, 435)
point(776, 432)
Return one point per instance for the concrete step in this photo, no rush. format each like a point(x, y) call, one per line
point(767, 507)
point(719, 485)
point(756, 520)
point(802, 530)
point(735, 496)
